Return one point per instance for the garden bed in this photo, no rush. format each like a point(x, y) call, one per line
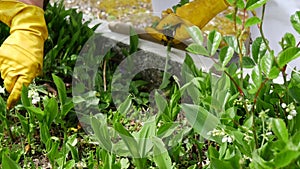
point(114, 101)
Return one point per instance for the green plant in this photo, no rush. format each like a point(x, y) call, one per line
point(204, 120)
point(68, 32)
point(257, 117)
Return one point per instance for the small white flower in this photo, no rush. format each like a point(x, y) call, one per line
point(283, 105)
point(2, 89)
point(249, 107)
point(35, 96)
point(224, 139)
point(289, 117)
point(269, 133)
point(262, 114)
point(35, 100)
point(247, 137)
point(292, 106)
point(227, 139)
point(293, 113)
point(32, 93)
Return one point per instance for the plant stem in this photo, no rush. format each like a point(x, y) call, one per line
point(235, 83)
point(104, 75)
point(261, 28)
point(235, 14)
point(253, 111)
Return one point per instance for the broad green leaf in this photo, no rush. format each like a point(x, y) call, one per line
point(51, 110)
point(166, 129)
point(74, 152)
point(188, 68)
point(285, 157)
point(274, 73)
point(259, 162)
point(196, 34)
point(253, 4)
point(240, 4)
point(259, 49)
point(246, 147)
point(249, 122)
point(70, 164)
point(287, 56)
point(8, 163)
point(61, 88)
point(189, 71)
point(100, 129)
point(161, 103)
point(125, 106)
point(296, 136)
point(128, 139)
point(294, 92)
point(197, 49)
point(295, 20)
point(67, 107)
point(280, 130)
point(248, 62)
point(24, 97)
point(105, 158)
point(143, 136)
point(213, 42)
point(161, 156)
point(232, 42)
point(212, 152)
point(288, 40)
point(252, 21)
point(217, 163)
point(37, 112)
point(220, 94)
point(266, 63)
point(24, 123)
point(52, 149)
point(226, 55)
point(44, 133)
point(256, 76)
point(200, 119)
point(72, 140)
point(232, 16)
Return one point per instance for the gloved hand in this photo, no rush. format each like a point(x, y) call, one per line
point(21, 54)
point(197, 12)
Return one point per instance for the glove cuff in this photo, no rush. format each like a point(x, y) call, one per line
point(20, 16)
point(28, 32)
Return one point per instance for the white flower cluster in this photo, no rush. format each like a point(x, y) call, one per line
point(291, 109)
point(226, 138)
point(34, 95)
point(239, 102)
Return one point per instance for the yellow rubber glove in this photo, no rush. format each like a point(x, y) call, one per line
point(197, 12)
point(21, 54)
